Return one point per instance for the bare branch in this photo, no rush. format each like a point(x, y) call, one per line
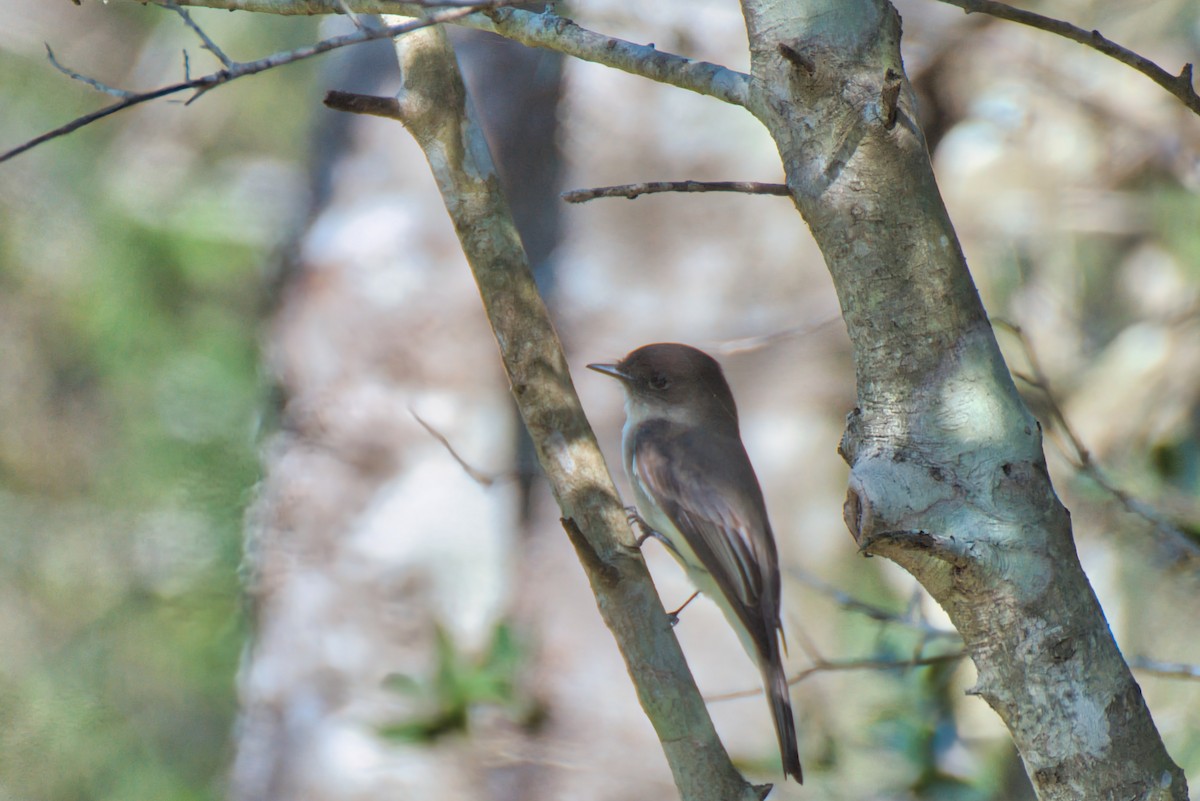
point(561, 34)
point(849, 664)
point(852, 604)
point(1169, 533)
point(1178, 85)
point(1166, 670)
point(545, 30)
point(207, 43)
point(346, 10)
point(242, 69)
point(747, 344)
point(632, 191)
point(558, 33)
point(480, 477)
point(92, 82)
point(364, 104)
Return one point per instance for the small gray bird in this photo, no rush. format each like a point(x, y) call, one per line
point(695, 488)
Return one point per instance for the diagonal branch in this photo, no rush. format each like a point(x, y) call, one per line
point(480, 477)
point(206, 42)
point(545, 30)
point(1179, 85)
point(1169, 534)
point(242, 69)
point(434, 107)
point(873, 611)
point(92, 82)
point(558, 33)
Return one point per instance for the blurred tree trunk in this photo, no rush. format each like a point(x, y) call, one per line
point(372, 552)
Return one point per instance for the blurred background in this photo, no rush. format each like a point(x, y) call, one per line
point(241, 359)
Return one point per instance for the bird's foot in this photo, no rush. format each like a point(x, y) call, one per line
point(638, 525)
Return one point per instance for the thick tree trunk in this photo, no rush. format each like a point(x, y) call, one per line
point(947, 473)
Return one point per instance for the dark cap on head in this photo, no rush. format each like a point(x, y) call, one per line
point(675, 375)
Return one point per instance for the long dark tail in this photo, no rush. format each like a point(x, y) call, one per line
point(776, 684)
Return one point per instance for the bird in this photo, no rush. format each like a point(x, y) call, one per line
point(696, 490)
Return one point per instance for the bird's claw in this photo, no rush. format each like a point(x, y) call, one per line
point(643, 531)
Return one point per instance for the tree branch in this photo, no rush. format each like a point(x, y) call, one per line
point(947, 473)
point(1166, 670)
point(1178, 85)
point(241, 69)
point(1170, 535)
point(92, 82)
point(746, 344)
point(558, 33)
point(206, 42)
point(480, 477)
point(434, 107)
point(631, 191)
point(545, 30)
point(841, 665)
point(878, 613)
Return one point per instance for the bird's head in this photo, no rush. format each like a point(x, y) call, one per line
point(674, 380)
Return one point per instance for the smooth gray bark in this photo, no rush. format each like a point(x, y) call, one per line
point(947, 477)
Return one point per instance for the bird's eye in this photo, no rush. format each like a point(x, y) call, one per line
point(659, 381)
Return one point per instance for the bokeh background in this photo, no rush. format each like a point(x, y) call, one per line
point(221, 325)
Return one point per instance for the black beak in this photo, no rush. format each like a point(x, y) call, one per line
point(613, 370)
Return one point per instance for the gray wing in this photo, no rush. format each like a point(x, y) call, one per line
point(726, 528)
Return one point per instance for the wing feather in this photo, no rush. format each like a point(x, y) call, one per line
point(704, 483)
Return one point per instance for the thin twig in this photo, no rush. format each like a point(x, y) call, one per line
point(745, 344)
point(346, 11)
point(879, 613)
point(631, 191)
point(242, 69)
point(1169, 533)
point(544, 29)
point(478, 476)
point(207, 43)
point(849, 664)
point(1178, 85)
point(1167, 670)
point(92, 82)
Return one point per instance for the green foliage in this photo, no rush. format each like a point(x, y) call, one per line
point(905, 732)
point(129, 399)
point(458, 683)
